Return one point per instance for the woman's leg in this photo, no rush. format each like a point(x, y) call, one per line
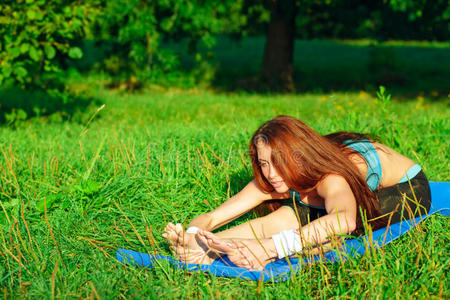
point(264, 227)
point(275, 222)
point(404, 201)
point(286, 217)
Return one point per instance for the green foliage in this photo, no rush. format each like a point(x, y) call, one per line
point(38, 38)
point(381, 19)
point(137, 29)
point(36, 35)
point(422, 9)
point(83, 190)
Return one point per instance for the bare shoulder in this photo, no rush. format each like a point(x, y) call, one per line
point(337, 194)
point(333, 184)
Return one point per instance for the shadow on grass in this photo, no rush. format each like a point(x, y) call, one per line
point(321, 66)
point(17, 105)
point(408, 69)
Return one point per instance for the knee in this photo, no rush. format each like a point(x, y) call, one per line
point(287, 218)
point(281, 219)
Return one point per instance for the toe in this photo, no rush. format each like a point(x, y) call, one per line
point(178, 228)
point(172, 237)
point(169, 226)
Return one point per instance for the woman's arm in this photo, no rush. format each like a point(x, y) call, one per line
point(340, 204)
point(249, 197)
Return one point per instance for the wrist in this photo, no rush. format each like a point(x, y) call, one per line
point(287, 243)
point(192, 230)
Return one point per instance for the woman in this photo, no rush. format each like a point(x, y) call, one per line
point(314, 187)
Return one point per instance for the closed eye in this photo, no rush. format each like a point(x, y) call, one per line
point(263, 164)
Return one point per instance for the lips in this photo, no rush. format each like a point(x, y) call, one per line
point(276, 184)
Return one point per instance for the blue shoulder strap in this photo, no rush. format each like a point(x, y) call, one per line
point(370, 155)
point(294, 194)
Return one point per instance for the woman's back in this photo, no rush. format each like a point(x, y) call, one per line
point(393, 165)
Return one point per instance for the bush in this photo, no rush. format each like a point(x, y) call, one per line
point(36, 37)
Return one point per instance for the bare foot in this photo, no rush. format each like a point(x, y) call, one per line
point(176, 237)
point(185, 245)
point(250, 254)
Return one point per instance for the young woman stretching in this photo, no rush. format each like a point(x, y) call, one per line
point(314, 186)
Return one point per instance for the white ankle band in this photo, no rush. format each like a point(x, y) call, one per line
point(287, 243)
point(192, 230)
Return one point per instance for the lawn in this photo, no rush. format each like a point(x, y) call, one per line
point(72, 192)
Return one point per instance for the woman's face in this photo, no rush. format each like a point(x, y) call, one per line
point(268, 169)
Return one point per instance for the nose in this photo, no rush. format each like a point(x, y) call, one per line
point(272, 172)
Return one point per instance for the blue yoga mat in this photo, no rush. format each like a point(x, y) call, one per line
point(281, 270)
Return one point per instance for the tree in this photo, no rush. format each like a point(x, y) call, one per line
point(277, 65)
point(136, 29)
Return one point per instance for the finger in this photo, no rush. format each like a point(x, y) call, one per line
point(182, 239)
point(241, 258)
point(175, 235)
point(241, 263)
point(191, 256)
point(186, 255)
point(201, 237)
point(169, 229)
point(186, 251)
point(216, 243)
point(221, 245)
point(180, 233)
point(196, 256)
point(244, 257)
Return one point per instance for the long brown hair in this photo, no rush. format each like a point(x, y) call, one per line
point(303, 158)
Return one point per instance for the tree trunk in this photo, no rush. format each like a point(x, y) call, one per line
point(277, 66)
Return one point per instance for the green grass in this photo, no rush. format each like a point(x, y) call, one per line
point(168, 156)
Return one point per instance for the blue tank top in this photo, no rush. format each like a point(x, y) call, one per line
point(370, 155)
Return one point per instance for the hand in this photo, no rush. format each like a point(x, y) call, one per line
point(250, 254)
point(255, 254)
